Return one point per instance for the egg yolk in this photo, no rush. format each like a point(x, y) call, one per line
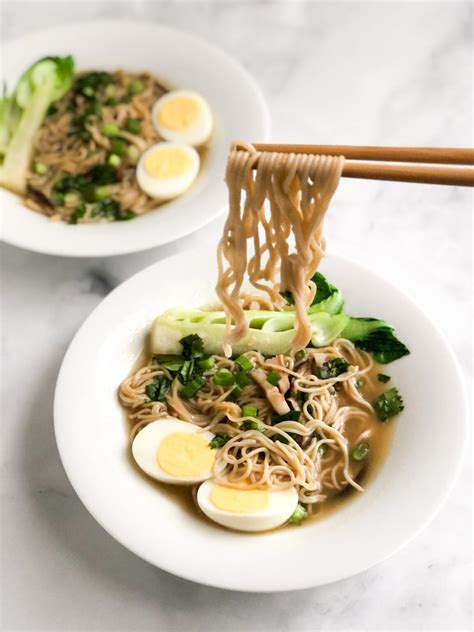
point(185, 454)
point(239, 500)
point(179, 113)
point(169, 162)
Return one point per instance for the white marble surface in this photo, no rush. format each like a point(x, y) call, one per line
point(395, 73)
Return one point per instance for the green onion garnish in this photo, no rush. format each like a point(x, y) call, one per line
point(223, 377)
point(383, 378)
point(192, 387)
point(219, 440)
point(299, 355)
point(88, 91)
point(253, 425)
point(298, 515)
point(241, 378)
point(135, 86)
point(207, 363)
point(110, 130)
point(133, 154)
point(40, 168)
point(360, 451)
point(133, 125)
point(117, 146)
point(101, 193)
point(114, 160)
point(249, 411)
point(244, 363)
point(273, 378)
point(235, 394)
point(293, 415)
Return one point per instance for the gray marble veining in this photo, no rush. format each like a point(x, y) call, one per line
point(386, 73)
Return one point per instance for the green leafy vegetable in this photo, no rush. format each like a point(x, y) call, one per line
point(170, 362)
point(186, 372)
point(23, 111)
point(156, 391)
point(360, 451)
point(376, 336)
point(298, 515)
point(89, 83)
point(388, 404)
point(383, 378)
point(78, 213)
point(328, 298)
point(193, 346)
point(333, 368)
point(293, 415)
point(219, 440)
point(192, 387)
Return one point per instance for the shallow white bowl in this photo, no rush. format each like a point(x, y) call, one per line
point(410, 488)
point(179, 59)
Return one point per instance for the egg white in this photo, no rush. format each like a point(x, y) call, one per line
point(167, 188)
point(282, 504)
point(198, 132)
point(146, 444)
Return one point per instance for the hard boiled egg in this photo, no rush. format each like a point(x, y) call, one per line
point(166, 170)
point(183, 116)
point(174, 451)
point(246, 509)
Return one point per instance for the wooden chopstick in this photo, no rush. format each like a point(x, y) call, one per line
point(401, 173)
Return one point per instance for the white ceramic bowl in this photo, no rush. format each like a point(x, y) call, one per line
point(180, 60)
point(410, 488)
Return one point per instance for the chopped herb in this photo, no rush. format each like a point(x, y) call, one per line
point(219, 440)
point(135, 86)
point(333, 368)
point(249, 411)
point(117, 146)
point(244, 363)
point(241, 378)
point(91, 82)
point(383, 378)
point(360, 451)
point(133, 125)
point(192, 387)
point(186, 372)
point(157, 390)
point(111, 101)
point(273, 378)
point(235, 394)
point(102, 174)
point(388, 404)
point(293, 415)
point(253, 425)
point(40, 168)
point(111, 129)
point(172, 363)
point(298, 515)
point(78, 212)
point(223, 377)
point(206, 363)
point(360, 383)
point(300, 355)
point(193, 346)
point(72, 199)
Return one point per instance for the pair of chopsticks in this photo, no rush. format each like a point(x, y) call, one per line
point(380, 167)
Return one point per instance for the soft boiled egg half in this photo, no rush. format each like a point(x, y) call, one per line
point(246, 509)
point(165, 170)
point(174, 451)
point(182, 116)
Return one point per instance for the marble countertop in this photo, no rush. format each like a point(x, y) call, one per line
point(366, 73)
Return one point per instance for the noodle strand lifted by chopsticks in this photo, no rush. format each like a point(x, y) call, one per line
point(298, 189)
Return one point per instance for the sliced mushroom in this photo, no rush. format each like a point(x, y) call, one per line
point(272, 393)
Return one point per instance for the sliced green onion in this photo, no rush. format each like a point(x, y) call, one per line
point(249, 411)
point(244, 363)
point(293, 415)
point(360, 451)
point(133, 125)
point(110, 130)
point(235, 394)
point(207, 363)
point(110, 90)
point(133, 154)
point(114, 160)
point(223, 377)
point(241, 378)
point(192, 387)
point(40, 168)
point(300, 355)
point(102, 193)
point(57, 198)
point(72, 199)
point(219, 440)
point(383, 378)
point(298, 515)
point(273, 378)
point(117, 146)
point(88, 91)
point(135, 86)
point(253, 425)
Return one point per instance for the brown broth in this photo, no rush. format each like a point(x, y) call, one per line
point(379, 441)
